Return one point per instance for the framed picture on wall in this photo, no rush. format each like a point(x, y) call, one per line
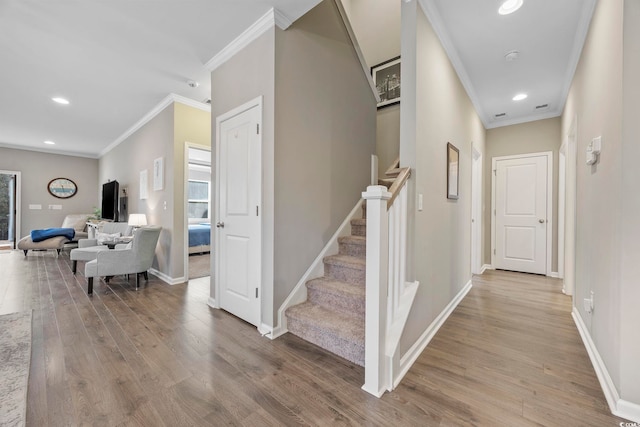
point(386, 77)
point(144, 186)
point(158, 174)
point(453, 171)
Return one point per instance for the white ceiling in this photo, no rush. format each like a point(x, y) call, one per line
point(549, 34)
point(114, 60)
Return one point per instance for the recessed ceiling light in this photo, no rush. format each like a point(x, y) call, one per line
point(512, 56)
point(60, 100)
point(50, 143)
point(509, 6)
point(519, 97)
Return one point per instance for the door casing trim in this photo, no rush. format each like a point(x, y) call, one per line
point(549, 248)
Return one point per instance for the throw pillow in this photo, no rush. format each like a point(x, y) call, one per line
point(77, 222)
point(106, 237)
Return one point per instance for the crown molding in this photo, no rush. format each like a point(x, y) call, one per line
point(282, 21)
point(168, 100)
point(433, 15)
point(48, 151)
point(523, 119)
point(262, 25)
point(191, 103)
point(578, 45)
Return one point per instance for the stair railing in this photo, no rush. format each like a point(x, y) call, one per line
point(388, 296)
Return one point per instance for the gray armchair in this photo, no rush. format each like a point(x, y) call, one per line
point(134, 258)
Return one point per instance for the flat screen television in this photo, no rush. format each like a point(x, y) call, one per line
point(110, 200)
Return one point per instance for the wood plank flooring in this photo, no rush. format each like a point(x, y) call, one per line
point(509, 355)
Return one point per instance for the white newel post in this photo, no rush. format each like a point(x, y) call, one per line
point(375, 373)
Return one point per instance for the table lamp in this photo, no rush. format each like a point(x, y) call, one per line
point(137, 220)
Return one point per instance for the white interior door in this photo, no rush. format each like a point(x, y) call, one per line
point(238, 224)
point(520, 187)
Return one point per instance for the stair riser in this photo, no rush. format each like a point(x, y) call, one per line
point(351, 249)
point(358, 230)
point(347, 305)
point(353, 352)
point(345, 274)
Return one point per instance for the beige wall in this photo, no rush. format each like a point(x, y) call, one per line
point(630, 215)
point(603, 102)
point(377, 28)
point(325, 135)
point(249, 74)
point(441, 249)
point(387, 137)
point(135, 154)
point(194, 126)
point(378, 46)
point(37, 169)
point(163, 136)
point(531, 137)
point(318, 133)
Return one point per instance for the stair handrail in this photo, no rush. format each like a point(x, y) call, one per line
point(398, 184)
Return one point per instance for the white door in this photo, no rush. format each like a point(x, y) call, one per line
point(520, 186)
point(238, 223)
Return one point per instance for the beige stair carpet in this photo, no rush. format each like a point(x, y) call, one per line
point(334, 313)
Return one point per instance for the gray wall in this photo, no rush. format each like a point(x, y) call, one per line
point(124, 164)
point(249, 74)
point(603, 102)
point(532, 137)
point(630, 223)
point(378, 46)
point(325, 135)
point(37, 170)
point(441, 247)
point(318, 135)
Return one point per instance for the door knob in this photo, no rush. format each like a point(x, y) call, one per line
point(220, 224)
point(541, 221)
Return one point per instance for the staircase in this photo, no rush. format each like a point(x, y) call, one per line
point(333, 315)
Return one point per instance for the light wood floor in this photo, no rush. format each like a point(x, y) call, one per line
point(508, 356)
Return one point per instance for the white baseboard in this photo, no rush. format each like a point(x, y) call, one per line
point(265, 330)
point(628, 410)
point(169, 280)
point(554, 274)
point(486, 267)
point(617, 406)
point(409, 358)
point(211, 302)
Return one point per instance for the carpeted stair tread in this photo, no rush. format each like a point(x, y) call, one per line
point(339, 333)
point(359, 221)
point(354, 240)
point(337, 295)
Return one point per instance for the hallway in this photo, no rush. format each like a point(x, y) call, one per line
point(508, 356)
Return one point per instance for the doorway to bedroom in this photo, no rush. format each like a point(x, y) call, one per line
point(198, 214)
